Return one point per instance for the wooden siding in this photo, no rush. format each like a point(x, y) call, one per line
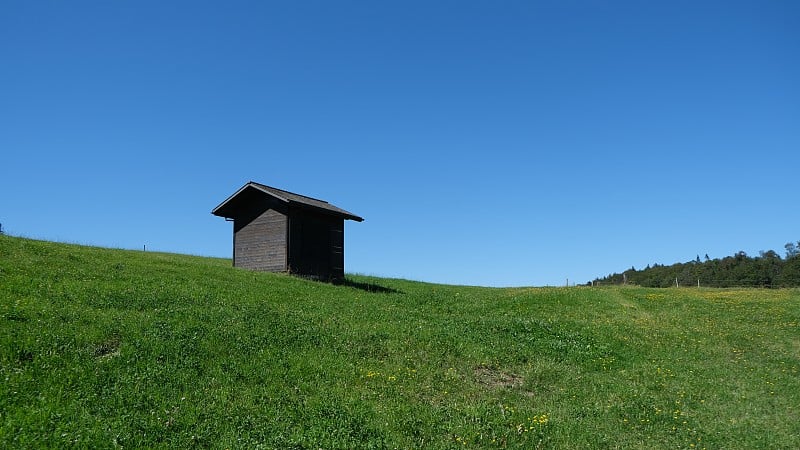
point(316, 244)
point(337, 250)
point(276, 230)
point(260, 244)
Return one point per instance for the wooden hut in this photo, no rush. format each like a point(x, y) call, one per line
point(279, 231)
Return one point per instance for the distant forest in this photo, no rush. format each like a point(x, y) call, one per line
point(768, 269)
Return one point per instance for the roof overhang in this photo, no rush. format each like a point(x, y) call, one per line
point(226, 208)
point(222, 208)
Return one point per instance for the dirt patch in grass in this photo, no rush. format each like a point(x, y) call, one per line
point(495, 378)
point(108, 348)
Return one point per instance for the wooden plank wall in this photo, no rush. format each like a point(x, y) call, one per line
point(260, 244)
point(316, 246)
point(337, 249)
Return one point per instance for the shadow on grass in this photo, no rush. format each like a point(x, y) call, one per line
point(368, 287)
point(361, 285)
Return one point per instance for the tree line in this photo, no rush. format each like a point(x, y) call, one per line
point(768, 269)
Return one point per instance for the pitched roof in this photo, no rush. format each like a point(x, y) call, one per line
point(290, 198)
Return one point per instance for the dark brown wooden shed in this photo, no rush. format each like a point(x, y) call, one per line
point(279, 231)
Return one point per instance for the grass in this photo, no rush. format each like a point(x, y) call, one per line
point(110, 348)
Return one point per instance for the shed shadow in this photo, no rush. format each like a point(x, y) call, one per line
point(367, 287)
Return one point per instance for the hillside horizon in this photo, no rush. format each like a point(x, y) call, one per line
point(121, 348)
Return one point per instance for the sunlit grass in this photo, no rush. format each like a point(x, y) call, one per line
point(109, 348)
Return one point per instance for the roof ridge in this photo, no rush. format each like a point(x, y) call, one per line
point(288, 192)
point(285, 196)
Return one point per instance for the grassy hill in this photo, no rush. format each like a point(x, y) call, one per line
point(110, 348)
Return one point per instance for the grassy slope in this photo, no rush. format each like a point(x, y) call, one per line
point(119, 348)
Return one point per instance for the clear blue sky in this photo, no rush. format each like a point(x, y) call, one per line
point(486, 143)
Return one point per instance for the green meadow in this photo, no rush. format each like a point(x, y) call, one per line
point(106, 348)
